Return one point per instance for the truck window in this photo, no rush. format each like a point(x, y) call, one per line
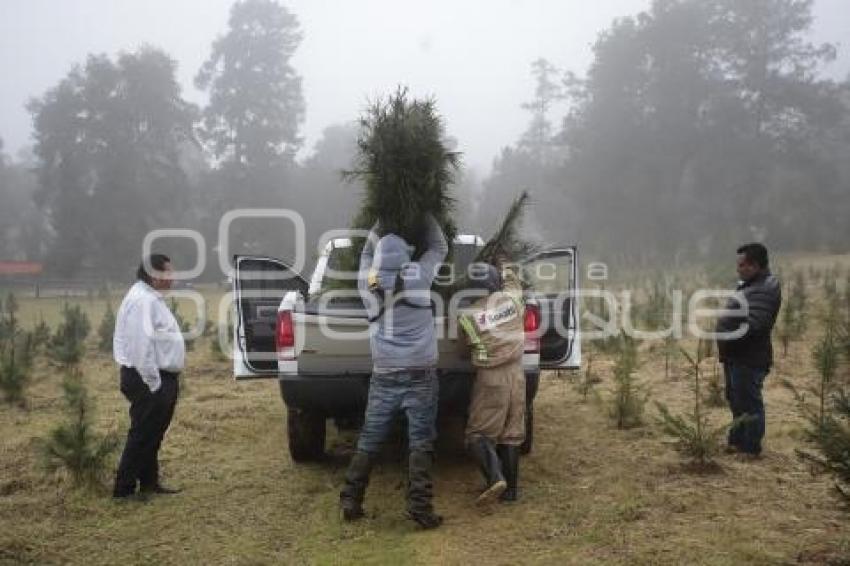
point(548, 277)
point(343, 261)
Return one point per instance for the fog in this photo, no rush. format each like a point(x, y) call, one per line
point(473, 56)
point(640, 147)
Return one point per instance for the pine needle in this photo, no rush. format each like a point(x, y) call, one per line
point(506, 241)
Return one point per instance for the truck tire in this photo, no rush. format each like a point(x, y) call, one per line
point(525, 447)
point(306, 432)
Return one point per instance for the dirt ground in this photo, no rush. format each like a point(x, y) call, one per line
point(591, 494)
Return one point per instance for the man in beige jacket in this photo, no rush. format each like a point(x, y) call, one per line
point(494, 329)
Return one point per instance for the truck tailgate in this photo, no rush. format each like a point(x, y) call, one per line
point(339, 344)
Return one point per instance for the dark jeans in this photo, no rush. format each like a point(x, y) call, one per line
point(743, 391)
point(150, 415)
point(414, 393)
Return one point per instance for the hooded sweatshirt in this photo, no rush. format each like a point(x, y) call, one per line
point(403, 336)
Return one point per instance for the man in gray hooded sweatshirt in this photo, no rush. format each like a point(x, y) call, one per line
point(396, 292)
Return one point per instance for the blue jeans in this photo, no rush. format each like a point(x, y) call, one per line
point(412, 392)
point(743, 391)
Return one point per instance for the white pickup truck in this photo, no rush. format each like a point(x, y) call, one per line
point(316, 344)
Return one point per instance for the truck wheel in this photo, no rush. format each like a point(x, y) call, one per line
point(306, 431)
point(525, 447)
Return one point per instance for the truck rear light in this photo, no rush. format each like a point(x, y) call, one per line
point(531, 326)
point(285, 336)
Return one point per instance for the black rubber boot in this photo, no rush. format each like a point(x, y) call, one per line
point(491, 468)
point(420, 490)
point(356, 480)
point(509, 455)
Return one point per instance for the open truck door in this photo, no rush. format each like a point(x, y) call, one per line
point(259, 285)
point(552, 277)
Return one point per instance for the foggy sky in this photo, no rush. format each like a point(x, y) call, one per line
point(474, 56)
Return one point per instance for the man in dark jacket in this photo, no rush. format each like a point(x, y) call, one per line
point(747, 352)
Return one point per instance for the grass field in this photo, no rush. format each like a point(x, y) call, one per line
point(591, 494)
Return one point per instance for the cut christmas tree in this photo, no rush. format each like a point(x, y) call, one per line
point(406, 171)
point(507, 241)
point(405, 167)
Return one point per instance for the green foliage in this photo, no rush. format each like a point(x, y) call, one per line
point(843, 339)
point(505, 245)
point(67, 345)
point(8, 317)
point(588, 380)
point(256, 103)
point(73, 444)
point(14, 379)
point(106, 330)
point(629, 400)
point(798, 302)
point(828, 421)
point(716, 387)
point(833, 439)
point(405, 167)
point(847, 297)
point(507, 242)
point(826, 358)
point(24, 231)
point(671, 348)
point(693, 96)
point(40, 334)
point(25, 345)
point(787, 324)
point(695, 436)
point(111, 136)
point(15, 355)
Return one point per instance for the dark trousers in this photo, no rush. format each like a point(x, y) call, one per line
point(150, 415)
point(414, 393)
point(743, 391)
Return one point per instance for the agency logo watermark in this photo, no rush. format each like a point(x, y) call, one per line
point(248, 315)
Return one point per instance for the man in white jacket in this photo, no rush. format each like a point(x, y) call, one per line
point(149, 348)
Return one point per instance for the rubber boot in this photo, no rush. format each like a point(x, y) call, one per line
point(356, 480)
point(491, 468)
point(509, 455)
point(420, 490)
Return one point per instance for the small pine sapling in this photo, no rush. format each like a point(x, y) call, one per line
point(695, 437)
point(799, 300)
point(716, 387)
point(15, 356)
point(825, 357)
point(588, 380)
point(629, 399)
point(40, 334)
point(828, 427)
point(73, 444)
point(106, 330)
point(787, 325)
point(67, 345)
